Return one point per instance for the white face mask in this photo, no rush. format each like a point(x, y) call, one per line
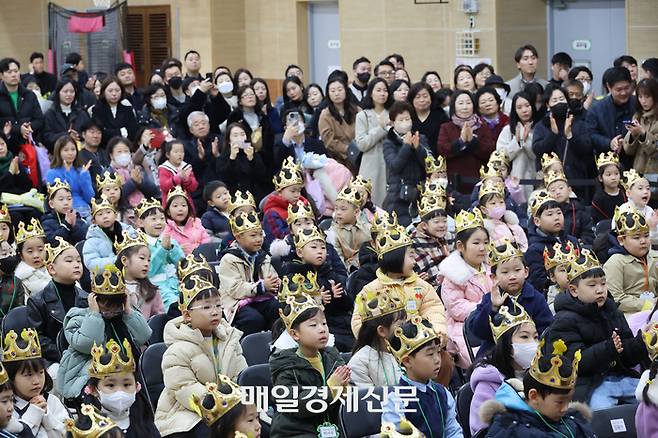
point(122, 160)
point(443, 182)
point(403, 127)
point(501, 93)
point(159, 102)
point(117, 402)
point(586, 87)
point(524, 353)
point(225, 87)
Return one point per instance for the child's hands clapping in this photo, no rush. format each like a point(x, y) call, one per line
point(271, 283)
point(326, 295)
point(340, 376)
point(336, 289)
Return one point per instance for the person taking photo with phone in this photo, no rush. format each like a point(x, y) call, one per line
point(294, 141)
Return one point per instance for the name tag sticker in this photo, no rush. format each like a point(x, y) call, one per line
point(618, 425)
point(412, 306)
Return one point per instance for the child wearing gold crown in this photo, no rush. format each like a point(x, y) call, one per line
point(7, 233)
point(556, 260)
point(92, 424)
point(646, 417)
point(34, 406)
point(108, 316)
point(638, 192)
point(61, 219)
point(202, 347)
point(577, 220)
point(609, 192)
point(113, 388)
point(587, 319)
point(417, 348)
point(30, 245)
point(548, 388)
point(499, 220)
point(9, 426)
point(311, 364)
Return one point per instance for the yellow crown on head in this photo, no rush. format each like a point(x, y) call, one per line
point(650, 337)
point(627, 221)
point(129, 240)
point(607, 158)
point(296, 305)
point(190, 264)
point(245, 222)
point(548, 160)
point(501, 251)
point(299, 210)
point(382, 220)
point(429, 203)
point(225, 396)
point(299, 284)
point(351, 195)
point(491, 187)
point(102, 205)
point(466, 220)
point(507, 318)
point(432, 187)
point(541, 198)
point(551, 176)
point(561, 254)
point(4, 376)
point(57, 185)
point(435, 165)
point(187, 295)
point(145, 205)
point(499, 156)
point(176, 191)
point(371, 304)
point(108, 179)
point(4, 214)
point(489, 171)
point(100, 424)
point(361, 182)
point(553, 377)
point(116, 364)
point(108, 282)
point(54, 248)
point(586, 261)
point(12, 352)
point(26, 232)
point(241, 199)
point(424, 334)
point(405, 430)
point(391, 238)
point(289, 175)
point(305, 236)
point(629, 178)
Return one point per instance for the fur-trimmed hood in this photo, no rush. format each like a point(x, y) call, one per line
point(455, 268)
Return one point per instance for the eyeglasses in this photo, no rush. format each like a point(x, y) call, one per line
point(208, 308)
point(386, 73)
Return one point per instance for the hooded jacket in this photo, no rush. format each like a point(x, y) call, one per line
point(162, 271)
point(485, 381)
point(627, 278)
point(291, 370)
point(190, 235)
point(187, 366)
point(646, 416)
point(507, 228)
point(534, 256)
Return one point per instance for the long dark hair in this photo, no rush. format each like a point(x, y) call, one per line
point(239, 94)
point(647, 87)
point(393, 261)
point(514, 116)
point(305, 106)
point(58, 88)
point(226, 144)
point(284, 87)
point(350, 109)
point(500, 357)
point(368, 332)
point(267, 100)
point(145, 288)
point(653, 371)
point(106, 83)
point(238, 72)
point(368, 103)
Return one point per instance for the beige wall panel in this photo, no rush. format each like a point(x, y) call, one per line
point(642, 28)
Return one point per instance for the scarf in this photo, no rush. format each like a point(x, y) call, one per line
point(5, 162)
point(473, 120)
point(161, 117)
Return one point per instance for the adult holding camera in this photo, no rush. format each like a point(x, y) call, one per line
point(642, 134)
point(294, 141)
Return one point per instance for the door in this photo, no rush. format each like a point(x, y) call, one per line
point(149, 38)
point(324, 44)
point(592, 32)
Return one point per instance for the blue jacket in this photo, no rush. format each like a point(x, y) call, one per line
point(534, 256)
point(163, 269)
point(82, 189)
point(55, 225)
point(98, 250)
point(215, 222)
point(604, 121)
point(532, 301)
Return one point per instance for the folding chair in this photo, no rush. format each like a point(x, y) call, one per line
point(615, 422)
point(157, 324)
point(463, 403)
point(16, 320)
point(363, 422)
point(256, 348)
point(150, 367)
point(470, 339)
point(209, 250)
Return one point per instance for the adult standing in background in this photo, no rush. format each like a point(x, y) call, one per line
point(526, 58)
point(359, 85)
point(64, 117)
point(46, 80)
point(426, 118)
point(192, 61)
point(126, 75)
point(337, 122)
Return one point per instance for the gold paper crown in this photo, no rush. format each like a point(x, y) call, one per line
point(432, 187)
point(562, 254)
point(55, 248)
point(607, 158)
point(289, 175)
point(4, 376)
point(372, 304)
point(241, 199)
point(187, 295)
point(299, 284)
point(116, 364)
point(245, 222)
point(499, 156)
point(191, 264)
point(128, 240)
point(505, 319)
point(553, 377)
point(405, 430)
point(650, 337)
point(424, 334)
point(307, 235)
point(176, 191)
point(435, 165)
point(551, 176)
point(57, 185)
point(548, 160)
point(491, 187)
point(630, 177)
point(541, 198)
point(351, 195)
point(108, 282)
point(296, 305)
point(361, 182)
point(627, 220)
point(145, 205)
point(509, 249)
point(28, 232)
point(222, 402)
point(4, 214)
point(391, 238)
point(299, 210)
point(102, 205)
point(489, 171)
point(100, 424)
point(586, 261)
point(433, 197)
point(466, 220)
point(12, 352)
point(382, 220)
point(108, 179)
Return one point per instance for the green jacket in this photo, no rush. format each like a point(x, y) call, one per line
point(290, 370)
point(83, 328)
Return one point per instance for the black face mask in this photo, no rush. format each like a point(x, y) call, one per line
point(576, 106)
point(559, 110)
point(8, 264)
point(363, 77)
point(175, 82)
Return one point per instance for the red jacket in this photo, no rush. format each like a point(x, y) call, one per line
point(170, 178)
